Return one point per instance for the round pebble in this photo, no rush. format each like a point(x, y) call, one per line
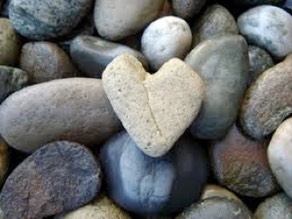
point(186, 9)
point(4, 160)
point(74, 109)
point(45, 61)
point(146, 185)
point(58, 177)
point(47, 19)
point(166, 38)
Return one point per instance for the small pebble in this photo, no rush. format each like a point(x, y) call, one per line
point(186, 9)
point(4, 160)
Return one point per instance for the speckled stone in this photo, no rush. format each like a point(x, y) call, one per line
point(11, 80)
point(186, 9)
point(74, 109)
point(58, 177)
point(4, 160)
point(268, 27)
point(47, 19)
point(222, 62)
point(93, 54)
point(147, 185)
point(45, 61)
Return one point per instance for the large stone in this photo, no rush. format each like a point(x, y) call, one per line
point(74, 109)
point(154, 186)
point(154, 109)
point(187, 9)
point(114, 21)
point(58, 177)
point(222, 62)
point(268, 27)
point(47, 19)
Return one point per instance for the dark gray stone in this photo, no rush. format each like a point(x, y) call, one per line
point(47, 19)
point(93, 54)
point(58, 177)
point(147, 185)
point(186, 9)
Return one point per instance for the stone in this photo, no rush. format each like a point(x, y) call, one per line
point(277, 206)
point(58, 177)
point(73, 109)
point(165, 38)
point(9, 43)
point(241, 165)
point(153, 186)
point(222, 62)
point(250, 3)
point(93, 54)
point(114, 21)
point(47, 19)
point(216, 208)
point(154, 109)
point(268, 101)
point(186, 9)
point(259, 61)
point(102, 208)
point(268, 27)
point(215, 20)
point(4, 160)
point(11, 80)
point(45, 61)
point(280, 156)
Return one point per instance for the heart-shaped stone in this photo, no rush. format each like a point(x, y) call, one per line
point(154, 109)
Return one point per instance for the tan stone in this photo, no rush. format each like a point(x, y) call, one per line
point(4, 160)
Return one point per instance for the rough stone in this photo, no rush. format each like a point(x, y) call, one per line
point(186, 9)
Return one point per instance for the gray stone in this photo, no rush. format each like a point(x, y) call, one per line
point(116, 19)
point(11, 80)
point(93, 54)
point(58, 177)
point(47, 19)
point(268, 27)
point(155, 109)
point(74, 109)
point(222, 62)
point(216, 20)
point(186, 9)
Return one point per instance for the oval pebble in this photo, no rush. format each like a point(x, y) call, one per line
point(74, 109)
point(58, 177)
point(147, 185)
point(165, 38)
point(47, 19)
point(186, 9)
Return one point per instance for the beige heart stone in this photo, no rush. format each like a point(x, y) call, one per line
point(154, 109)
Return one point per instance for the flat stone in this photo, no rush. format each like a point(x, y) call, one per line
point(74, 109)
point(222, 62)
point(165, 38)
point(58, 177)
point(47, 19)
point(45, 61)
point(186, 9)
point(153, 186)
point(114, 21)
point(93, 54)
point(268, 27)
point(154, 109)
point(4, 160)
point(11, 80)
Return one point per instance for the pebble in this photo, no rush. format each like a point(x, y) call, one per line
point(222, 62)
point(216, 208)
point(268, 101)
point(58, 177)
point(73, 109)
point(114, 21)
point(45, 61)
point(4, 160)
point(147, 185)
point(165, 38)
point(280, 155)
point(241, 165)
point(11, 80)
point(93, 54)
point(9, 43)
point(186, 9)
point(47, 19)
point(216, 20)
point(275, 207)
point(103, 208)
point(154, 109)
point(259, 61)
point(268, 27)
